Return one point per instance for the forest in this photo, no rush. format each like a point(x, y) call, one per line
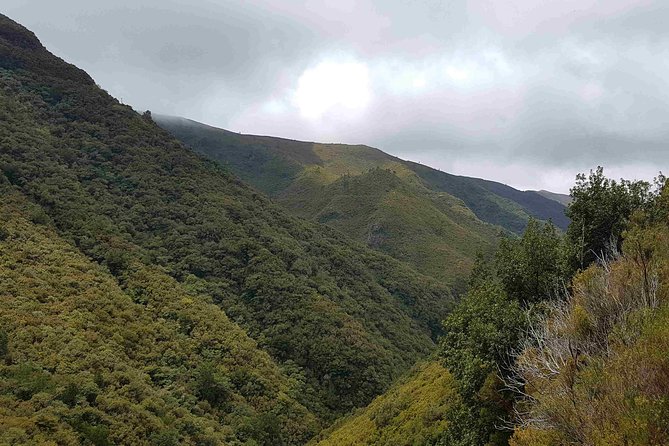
point(149, 296)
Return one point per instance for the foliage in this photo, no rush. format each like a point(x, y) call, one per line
point(482, 332)
point(595, 369)
point(211, 385)
point(479, 335)
point(600, 211)
point(530, 268)
point(4, 342)
point(86, 358)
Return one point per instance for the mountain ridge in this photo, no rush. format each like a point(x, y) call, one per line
point(373, 153)
point(564, 199)
point(434, 221)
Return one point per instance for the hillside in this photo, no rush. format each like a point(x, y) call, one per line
point(560, 198)
point(412, 412)
point(131, 361)
point(432, 220)
point(341, 320)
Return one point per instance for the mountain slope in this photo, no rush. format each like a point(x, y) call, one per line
point(343, 318)
point(412, 412)
point(431, 231)
point(367, 193)
point(86, 358)
point(560, 198)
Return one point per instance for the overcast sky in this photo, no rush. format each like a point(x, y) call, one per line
point(526, 92)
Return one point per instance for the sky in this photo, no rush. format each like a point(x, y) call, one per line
point(525, 92)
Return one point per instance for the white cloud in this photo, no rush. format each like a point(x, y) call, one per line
point(332, 86)
point(457, 74)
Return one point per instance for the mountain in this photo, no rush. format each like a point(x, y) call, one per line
point(560, 198)
point(187, 301)
point(432, 220)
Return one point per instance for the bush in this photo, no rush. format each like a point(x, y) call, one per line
point(211, 385)
point(4, 343)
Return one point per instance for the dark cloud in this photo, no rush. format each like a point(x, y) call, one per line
point(479, 87)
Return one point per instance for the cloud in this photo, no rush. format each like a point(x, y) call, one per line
point(342, 87)
point(476, 87)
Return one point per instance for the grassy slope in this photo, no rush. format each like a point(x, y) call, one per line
point(493, 202)
point(432, 231)
point(412, 412)
point(442, 216)
point(347, 319)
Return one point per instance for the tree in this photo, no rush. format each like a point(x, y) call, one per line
point(531, 267)
point(480, 333)
point(600, 212)
point(4, 343)
point(211, 385)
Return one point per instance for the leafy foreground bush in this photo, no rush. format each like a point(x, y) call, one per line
point(596, 369)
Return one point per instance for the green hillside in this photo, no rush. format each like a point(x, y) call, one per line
point(412, 412)
point(432, 231)
point(342, 320)
point(432, 220)
point(560, 198)
point(138, 359)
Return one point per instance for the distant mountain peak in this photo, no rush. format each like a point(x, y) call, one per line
point(563, 199)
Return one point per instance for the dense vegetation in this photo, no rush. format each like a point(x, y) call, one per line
point(413, 412)
point(504, 364)
point(152, 362)
point(342, 321)
point(432, 220)
point(600, 213)
point(478, 335)
point(595, 370)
